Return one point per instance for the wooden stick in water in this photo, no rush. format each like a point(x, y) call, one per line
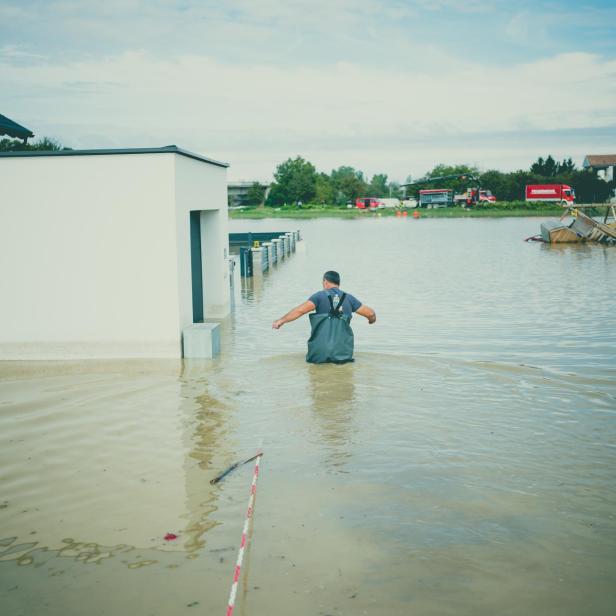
point(232, 468)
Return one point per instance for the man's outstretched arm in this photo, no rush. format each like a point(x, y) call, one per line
point(367, 312)
point(296, 313)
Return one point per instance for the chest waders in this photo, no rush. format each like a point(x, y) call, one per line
point(331, 339)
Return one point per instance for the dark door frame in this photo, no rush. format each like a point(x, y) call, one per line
point(196, 266)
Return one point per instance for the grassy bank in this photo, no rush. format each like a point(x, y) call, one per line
point(517, 209)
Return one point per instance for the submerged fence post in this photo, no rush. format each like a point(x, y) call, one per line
point(279, 248)
point(258, 263)
point(267, 248)
point(265, 258)
point(258, 252)
point(246, 262)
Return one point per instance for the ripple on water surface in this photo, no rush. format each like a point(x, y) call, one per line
point(390, 478)
point(463, 464)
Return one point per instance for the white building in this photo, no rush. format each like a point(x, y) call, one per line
point(602, 164)
point(109, 253)
point(239, 192)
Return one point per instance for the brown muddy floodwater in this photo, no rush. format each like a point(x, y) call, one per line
point(464, 464)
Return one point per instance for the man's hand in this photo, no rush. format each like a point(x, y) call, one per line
point(296, 313)
point(366, 311)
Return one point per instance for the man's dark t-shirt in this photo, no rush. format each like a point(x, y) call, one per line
point(319, 299)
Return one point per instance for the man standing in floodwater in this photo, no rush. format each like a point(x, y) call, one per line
point(331, 339)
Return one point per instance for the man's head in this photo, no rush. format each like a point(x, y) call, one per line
point(331, 279)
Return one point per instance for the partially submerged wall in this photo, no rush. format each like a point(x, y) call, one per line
point(95, 253)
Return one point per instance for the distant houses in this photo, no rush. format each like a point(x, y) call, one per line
point(602, 164)
point(247, 192)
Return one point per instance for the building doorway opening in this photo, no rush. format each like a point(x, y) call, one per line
point(196, 267)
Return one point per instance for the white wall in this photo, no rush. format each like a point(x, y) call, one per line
point(93, 253)
point(201, 187)
point(606, 174)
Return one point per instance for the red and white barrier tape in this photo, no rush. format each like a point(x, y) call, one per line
point(240, 556)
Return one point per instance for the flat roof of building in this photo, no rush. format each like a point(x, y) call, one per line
point(169, 149)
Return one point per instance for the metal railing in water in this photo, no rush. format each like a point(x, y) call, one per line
point(260, 251)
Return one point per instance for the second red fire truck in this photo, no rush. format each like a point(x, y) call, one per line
point(550, 193)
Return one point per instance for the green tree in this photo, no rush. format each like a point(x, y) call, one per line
point(277, 195)
point(518, 182)
point(589, 188)
point(295, 180)
point(550, 167)
point(256, 194)
point(348, 184)
point(395, 190)
point(458, 185)
point(501, 184)
point(45, 144)
point(452, 170)
point(538, 166)
point(547, 168)
point(324, 189)
point(378, 185)
point(567, 166)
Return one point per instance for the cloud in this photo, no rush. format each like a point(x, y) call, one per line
point(264, 113)
point(394, 33)
point(376, 84)
point(463, 6)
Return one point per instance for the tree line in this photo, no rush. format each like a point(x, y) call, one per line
point(297, 181)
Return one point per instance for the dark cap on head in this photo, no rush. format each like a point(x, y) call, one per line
point(333, 277)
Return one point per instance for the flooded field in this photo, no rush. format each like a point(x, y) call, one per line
point(464, 464)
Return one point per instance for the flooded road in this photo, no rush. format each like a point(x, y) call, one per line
point(464, 464)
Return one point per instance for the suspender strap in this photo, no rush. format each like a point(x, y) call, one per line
point(339, 307)
point(337, 311)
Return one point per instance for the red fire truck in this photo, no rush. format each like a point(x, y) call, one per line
point(368, 203)
point(470, 197)
point(555, 193)
point(485, 196)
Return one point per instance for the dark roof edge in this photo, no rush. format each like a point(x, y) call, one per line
point(170, 149)
point(13, 129)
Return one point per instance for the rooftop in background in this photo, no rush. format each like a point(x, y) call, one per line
point(239, 192)
point(169, 149)
point(12, 129)
point(246, 183)
point(599, 161)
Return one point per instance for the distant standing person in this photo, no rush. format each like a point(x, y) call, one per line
point(331, 339)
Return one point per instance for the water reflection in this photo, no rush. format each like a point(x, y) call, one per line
point(204, 440)
point(252, 288)
point(332, 391)
point(478, 422)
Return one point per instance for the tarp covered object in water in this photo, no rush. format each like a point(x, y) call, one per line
point(331, 339)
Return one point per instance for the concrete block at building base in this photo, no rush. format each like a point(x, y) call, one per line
point(201, 340)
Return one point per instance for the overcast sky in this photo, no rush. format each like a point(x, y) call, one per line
point(393, 87)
